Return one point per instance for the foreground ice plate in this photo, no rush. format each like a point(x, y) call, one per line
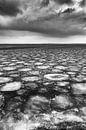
point(79, 88)
point(11, 86)
point(4, 79)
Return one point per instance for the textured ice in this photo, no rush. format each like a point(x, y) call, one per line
point(48, 98)
point(13, 86)
point(31, 78)
point(5, 79)
point(56, 77)
point(9, 68)
point(62, 101)
point(79, 88)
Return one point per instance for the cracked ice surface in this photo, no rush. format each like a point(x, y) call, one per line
point(42, 89)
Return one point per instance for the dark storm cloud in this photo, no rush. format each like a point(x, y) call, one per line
point(10, 8)
point(64, 1)
point(82, 3)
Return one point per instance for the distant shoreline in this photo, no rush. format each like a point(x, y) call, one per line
point(50, 46)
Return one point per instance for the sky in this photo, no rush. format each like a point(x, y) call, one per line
point(42, 21)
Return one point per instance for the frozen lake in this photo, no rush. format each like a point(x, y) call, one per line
point(43, 88)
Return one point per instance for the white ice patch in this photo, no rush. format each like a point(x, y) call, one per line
point(60, 117)
point(79, 88)
point(62, 101)
point(34, 72)
point(25, 69)
point(4, 79)
point(43, 67)
point(56, 77)
point(38, 63)
point(26, 125)
point(20, 126)
point(9, 68)
point(60, 67)
point(11, 86)
point(32, 78)
point(1, 73)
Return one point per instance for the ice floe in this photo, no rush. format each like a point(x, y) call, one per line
point(56, 77)
point(9, 68)
point(62, 101)
point(5, 79)
point(31, 78)
point(43, 67)
point(25, 69)
point(13, 86)
point(79, 88)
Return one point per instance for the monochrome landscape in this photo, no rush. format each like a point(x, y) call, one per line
point(42, 64)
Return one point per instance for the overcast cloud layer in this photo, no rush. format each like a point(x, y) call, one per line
point(46, 16)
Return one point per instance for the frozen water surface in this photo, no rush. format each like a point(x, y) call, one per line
point(43, 89)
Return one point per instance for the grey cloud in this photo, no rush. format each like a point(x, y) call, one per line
point(83, 3)
point(10, 8)
point(13, 7)
point(64, 1)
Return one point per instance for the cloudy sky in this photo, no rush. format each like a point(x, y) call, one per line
point(42, 21)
